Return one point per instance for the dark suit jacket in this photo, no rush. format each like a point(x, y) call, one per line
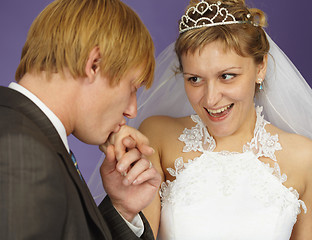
point(41, 194)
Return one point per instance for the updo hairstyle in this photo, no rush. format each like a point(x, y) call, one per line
point(247, 39)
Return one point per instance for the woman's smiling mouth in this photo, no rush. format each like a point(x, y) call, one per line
point(219, 114)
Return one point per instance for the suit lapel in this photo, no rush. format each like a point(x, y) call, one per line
point(17, 101)
point(85, 194)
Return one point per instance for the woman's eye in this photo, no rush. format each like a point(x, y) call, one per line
point(227, 76)
point(195, 79)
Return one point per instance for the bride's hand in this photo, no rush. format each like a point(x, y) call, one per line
point(127, 138)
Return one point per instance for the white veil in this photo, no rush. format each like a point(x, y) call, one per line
point(286, 98)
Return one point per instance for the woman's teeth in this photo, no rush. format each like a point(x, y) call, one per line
point(218, 110)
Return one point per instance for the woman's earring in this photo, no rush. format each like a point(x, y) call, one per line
point(260, 82)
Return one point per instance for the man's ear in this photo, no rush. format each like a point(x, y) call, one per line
point(92, 65)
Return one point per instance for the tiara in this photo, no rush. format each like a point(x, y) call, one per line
point(188, 23)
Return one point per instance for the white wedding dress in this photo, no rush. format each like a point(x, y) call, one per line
point(225, 195)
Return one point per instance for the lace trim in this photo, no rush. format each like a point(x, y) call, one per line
point(197, 138)
point(262, 144)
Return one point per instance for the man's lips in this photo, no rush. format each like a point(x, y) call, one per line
point(117, 128)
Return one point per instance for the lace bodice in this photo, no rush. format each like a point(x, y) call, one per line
point(228, 195)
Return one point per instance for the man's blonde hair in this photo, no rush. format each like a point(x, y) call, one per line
point(65, 32)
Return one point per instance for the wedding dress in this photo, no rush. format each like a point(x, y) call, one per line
point(227, 195)
point(222, 195)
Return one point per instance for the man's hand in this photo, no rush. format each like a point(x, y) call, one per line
point(131, 181)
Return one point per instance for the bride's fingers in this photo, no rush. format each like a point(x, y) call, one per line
point(127, 138)
point(150, 175)
point(131, 137)
point(135, 173)
point(129, 142)
point(121, 146)
point(146, 150)
point(128, 159)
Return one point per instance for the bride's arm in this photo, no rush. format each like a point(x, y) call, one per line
point(303, 228)
point(153, 130)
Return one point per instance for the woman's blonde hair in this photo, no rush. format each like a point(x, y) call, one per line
point(247, 39)
point(65, 32)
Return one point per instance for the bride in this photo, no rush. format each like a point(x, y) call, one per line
point(230, 148)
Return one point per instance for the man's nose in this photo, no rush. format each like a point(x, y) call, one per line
point(131, 110)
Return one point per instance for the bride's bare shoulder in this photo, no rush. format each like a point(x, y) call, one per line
point(295, 147)
point(165, 126)
point(295, 160)
point(292, 141)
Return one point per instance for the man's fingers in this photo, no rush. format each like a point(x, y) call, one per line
point(103, 148)
point(110, 141)
point(109, 163)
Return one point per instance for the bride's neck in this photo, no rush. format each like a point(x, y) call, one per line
point(236, 141)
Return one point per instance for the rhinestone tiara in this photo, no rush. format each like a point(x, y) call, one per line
point(188, 23)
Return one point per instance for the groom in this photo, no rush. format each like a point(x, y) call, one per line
point(80, 68)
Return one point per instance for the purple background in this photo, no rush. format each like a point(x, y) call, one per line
point(289, 27)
